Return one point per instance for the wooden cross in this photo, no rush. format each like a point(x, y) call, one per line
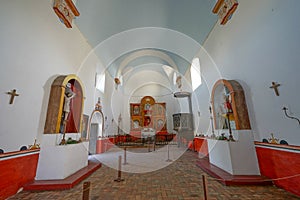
point(12, 94)
point(275, 87)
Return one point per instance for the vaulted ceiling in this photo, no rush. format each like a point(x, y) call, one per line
point(147, 24)
point(100, 19)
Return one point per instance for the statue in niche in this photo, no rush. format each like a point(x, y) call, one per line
point(227, 103)
point(179, 82)
point(69, 94)
point(147, 121)
point(222, 118)
point(147, 106)
point(224, 108)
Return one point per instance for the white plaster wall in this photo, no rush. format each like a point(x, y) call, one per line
point(260, 44)
point(35, 48)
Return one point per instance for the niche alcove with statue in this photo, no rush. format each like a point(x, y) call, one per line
point(232, 122)
point(59, 158)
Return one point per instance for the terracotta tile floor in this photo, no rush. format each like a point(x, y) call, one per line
point(180, 180)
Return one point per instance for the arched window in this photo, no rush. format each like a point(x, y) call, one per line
point(174, 78)
point(196, 74)
point(100, 82)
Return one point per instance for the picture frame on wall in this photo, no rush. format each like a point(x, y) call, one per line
point(135, 124)
point(85, 123)
point(160, 124)
point(135, 109)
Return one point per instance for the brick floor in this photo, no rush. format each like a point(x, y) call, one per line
point(180, 180)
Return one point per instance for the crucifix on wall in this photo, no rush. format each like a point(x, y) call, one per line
point(12, 94)
point(275, 87)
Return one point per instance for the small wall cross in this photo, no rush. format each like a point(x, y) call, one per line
point(275, 87)
point(12, 94)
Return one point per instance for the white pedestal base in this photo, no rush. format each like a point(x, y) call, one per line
point(60, 161)
point(236, 158)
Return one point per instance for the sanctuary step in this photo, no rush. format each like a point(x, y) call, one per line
point(67, 183)
point(228, 179)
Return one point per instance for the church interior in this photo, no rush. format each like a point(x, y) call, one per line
point(149, 99)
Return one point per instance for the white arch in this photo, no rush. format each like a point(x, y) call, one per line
point(145, 52)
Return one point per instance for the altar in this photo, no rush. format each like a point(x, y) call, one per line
point(148, 132)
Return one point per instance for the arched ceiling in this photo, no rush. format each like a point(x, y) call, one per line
point(100, 20)
point(136, 59)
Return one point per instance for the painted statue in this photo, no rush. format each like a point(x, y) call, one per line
point(69, 94)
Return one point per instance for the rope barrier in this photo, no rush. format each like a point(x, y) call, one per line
point(269, 179)
point(210, 178)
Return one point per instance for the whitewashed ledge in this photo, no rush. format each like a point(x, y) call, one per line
point(60, 161)
point(236, 158)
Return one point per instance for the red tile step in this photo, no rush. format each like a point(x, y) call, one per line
point(63, 184)
point(229, 179)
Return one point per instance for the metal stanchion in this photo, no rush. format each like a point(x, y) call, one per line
point(154, 144)
point(204, 186)
point(119, 179)
point(105, 146)
point(86, 190)
point(125, 156)
point(148, 144)
point(168, 160)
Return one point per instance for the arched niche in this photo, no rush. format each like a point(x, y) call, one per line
point(54, 118)
point(239, 115)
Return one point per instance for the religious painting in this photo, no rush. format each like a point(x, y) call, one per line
point(147, 121)
point(160, 124)
point(135, 109)
point(161, 107)
point(85, 123)
point(135, 124)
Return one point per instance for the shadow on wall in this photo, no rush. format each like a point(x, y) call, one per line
point(47, 89)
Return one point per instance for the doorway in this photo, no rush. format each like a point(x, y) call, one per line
point(95, 130)
point(93, 138)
